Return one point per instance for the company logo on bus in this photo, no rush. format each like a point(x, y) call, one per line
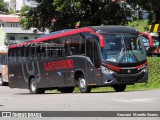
point(129, 71)
point(59, 65)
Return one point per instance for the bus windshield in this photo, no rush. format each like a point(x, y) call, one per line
point(123, 48)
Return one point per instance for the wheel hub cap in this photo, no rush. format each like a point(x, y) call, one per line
point(83, 83)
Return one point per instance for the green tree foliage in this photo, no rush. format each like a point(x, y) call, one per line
point(152, 6)
point(62, 14)
point(2, 5)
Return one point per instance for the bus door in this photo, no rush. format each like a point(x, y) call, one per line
point(92, 61)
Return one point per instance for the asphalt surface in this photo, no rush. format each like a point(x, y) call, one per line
point(21, 100)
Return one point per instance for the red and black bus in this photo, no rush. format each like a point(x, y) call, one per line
point(85, 57)
point(151, 43)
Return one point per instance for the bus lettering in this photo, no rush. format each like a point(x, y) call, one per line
point(59, 65)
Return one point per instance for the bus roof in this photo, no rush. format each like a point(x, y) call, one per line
point(114, 29)
point(55, 35)
point(92, 29)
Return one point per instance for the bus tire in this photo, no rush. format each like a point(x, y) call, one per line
point(66, 90)
point(119, 88)
point(33, 87)
point(83, 85)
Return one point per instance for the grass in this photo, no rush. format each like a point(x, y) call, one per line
point(140, 25)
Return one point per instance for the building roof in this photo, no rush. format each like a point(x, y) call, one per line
point(9, 18)
point(14, 30)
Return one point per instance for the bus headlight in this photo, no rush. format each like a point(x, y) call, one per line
point(106, 70)
point(145, 69)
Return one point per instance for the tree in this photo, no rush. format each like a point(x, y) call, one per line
point(60, 14)
point(2, 6)
point(152, 6)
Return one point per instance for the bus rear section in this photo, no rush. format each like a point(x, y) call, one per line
point(3, 69)
point(86, 57)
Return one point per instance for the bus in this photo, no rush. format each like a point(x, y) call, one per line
point(3, 66)
point(86, 57)
point(151, 43)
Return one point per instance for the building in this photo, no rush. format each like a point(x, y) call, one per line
point(12, 35)
point(31, 3)
point(16, 5)
point(10, 21)
point(11, 4)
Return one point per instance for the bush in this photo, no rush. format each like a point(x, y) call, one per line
point(153, 75)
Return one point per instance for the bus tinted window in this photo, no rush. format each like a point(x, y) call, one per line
point(57, 49)
point(15, 56)
point(26, 53)
point(32, 53)
point(18, 55)
point(76, 45)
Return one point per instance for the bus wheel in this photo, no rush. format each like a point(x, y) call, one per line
point(119, 88)
point(66, 90)
point(33, 87)
point(83, 86)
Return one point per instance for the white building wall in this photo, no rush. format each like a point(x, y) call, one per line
point(19, 4)
point(2, 24)
point(12, 5)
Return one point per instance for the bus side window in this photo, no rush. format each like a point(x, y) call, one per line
point(47, 46)
point(26, 53)
point(59, 49)
point(38, 53)
point(22, 54)
point(53, 50)
point(32, 53)
point(18, 55)
point(15, 56)
point(76, 45)
point(43, 53)
point(10, 54)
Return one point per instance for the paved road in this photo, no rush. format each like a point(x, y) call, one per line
point(21, 100)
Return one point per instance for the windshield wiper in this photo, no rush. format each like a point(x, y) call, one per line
point(121, 54)
point(134, 55)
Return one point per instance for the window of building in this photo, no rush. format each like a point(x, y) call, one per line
point(1, 25)
point(12, 38)
point(25, 38)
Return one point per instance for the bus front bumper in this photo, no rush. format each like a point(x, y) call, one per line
point(114, 79)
